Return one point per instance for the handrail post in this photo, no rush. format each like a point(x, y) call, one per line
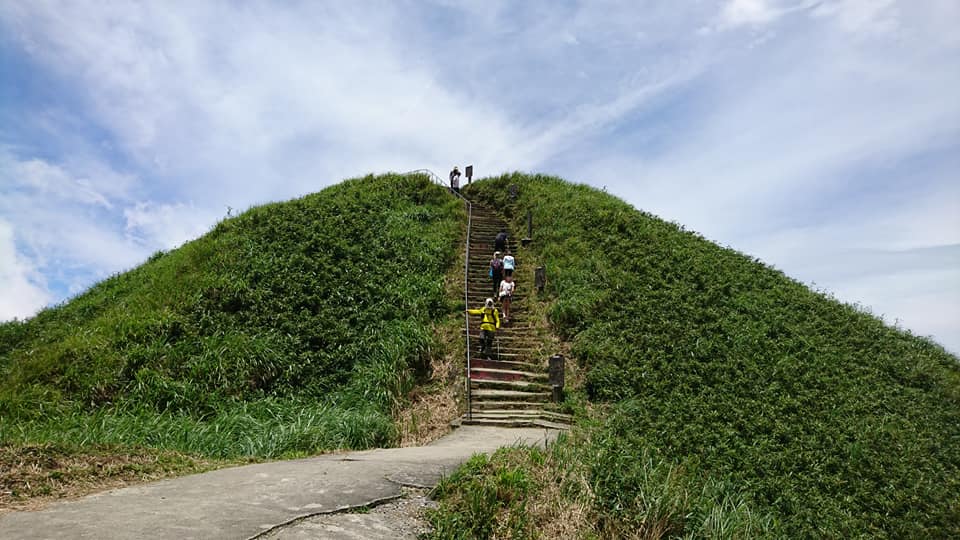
point(466, 304)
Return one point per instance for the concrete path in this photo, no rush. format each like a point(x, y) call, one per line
point(246, 502)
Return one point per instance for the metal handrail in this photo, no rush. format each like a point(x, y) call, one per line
point(466, 274)
point(437, 180)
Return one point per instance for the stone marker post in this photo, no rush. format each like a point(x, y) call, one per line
point(540, 278)
point(556, 377)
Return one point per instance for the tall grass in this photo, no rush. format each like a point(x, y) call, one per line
point(293, 327)
point(268, 428)
point(589, 485)
point(805, 409)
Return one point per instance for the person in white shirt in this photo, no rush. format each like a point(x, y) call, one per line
point(508, 264)
point(455, 179)
point(507, 286)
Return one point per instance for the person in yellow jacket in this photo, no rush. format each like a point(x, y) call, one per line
point(488, 326)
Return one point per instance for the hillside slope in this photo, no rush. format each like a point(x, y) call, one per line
point(293, 327)
point(732, 400)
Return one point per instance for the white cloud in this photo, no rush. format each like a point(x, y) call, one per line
point(58, 235)
point(803, 123)
point(22, 291)
point(867, 17)
point(166, 225)
point(748, 12)
point(926, 301)
point(52, 181)
point(261, 102)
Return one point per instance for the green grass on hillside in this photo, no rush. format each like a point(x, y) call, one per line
point(293, 327)
point(817, 414)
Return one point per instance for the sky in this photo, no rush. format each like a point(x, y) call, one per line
point(820, 136)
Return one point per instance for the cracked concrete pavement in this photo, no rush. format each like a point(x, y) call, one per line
point(247, 501)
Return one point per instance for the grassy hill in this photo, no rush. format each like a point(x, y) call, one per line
point(717, 396)
point(293, 327)
point(720, 397)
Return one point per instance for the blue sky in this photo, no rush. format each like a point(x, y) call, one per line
point(822, 136)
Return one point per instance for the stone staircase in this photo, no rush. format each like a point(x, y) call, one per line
point(512, 388)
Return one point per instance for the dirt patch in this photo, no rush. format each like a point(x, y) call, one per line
point(428, 416)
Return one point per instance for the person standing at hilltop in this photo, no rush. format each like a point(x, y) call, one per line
point(500, 242)
point(509, 263)
point(496, 271)
point(489, 325)
point(455, 179)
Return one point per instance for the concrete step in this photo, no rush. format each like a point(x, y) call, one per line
point(496, 394)
point(532, 422)
point(512, 357)
point(506, 375)
point(523, 413)
point(509, 356)
point(507, 364)
point(526, 386)
point(478, 406)
point(508, 333)
point(481, 246)
point(480, 273)
point(516, 323)
point(478, 257)
point(481, 293)
point(504, 361)
point(530, 356)
point(503, 357)
point(534, 359)
point(507, 344)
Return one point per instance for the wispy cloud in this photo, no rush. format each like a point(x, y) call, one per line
point(750, 12)
point(23, 291)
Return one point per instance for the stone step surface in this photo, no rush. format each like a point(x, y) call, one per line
point(523, 385)
point(507, 375)
point(501, 404)
point(495, 394)
point(505, 364)
point(478, 420)
point(523, 413)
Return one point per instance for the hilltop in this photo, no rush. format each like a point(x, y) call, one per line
point(719, 397)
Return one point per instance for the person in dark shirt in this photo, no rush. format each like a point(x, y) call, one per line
point(500, 242)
